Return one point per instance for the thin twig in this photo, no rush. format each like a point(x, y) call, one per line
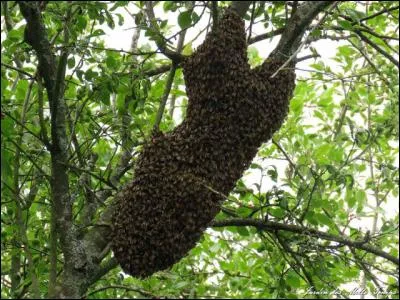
point(18, 70)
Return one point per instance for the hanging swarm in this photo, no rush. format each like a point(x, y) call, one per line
point(180, 177)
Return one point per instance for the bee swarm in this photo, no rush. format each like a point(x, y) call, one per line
point(180, 177)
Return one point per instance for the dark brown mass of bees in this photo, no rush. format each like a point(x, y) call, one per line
point(180, 176)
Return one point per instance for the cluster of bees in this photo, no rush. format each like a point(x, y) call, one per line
point(181, 177)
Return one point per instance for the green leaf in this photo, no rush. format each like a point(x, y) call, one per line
point(296, 105)
point(169, 5)
point(185, 19)
point(14, 35)
point(98, 32)
point(277, 212)
point(345, 24)
point(111, 62)
point(187, 50)
point(336, 154)
point(293, 280)
point(323, 219)
point(71, 62)
point(81, 23)
point(181, 284)
point(4, 84)
point(360, 196)
point(273, 173)
point(242, 230)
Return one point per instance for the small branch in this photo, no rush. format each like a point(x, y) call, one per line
point(377, 48)
point(22, 125)
point(43, 128)
point(157, 71)
point(293, 254)
point(265, 36)
point(292, 164)
point(18, 70)
point(31, 159)
point(251, 21)
point(164, 98)
point(290, 40)
point(385, 10)
point(214, 12)
point(372, 65)
point(306, 57)
point(92, 174)
point(103, 270)
point(21, 230)
point(176, 57)
point(168, 85)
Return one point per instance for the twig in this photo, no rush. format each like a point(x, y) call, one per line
point(168, 85)
point(373, 66)
point(385, 10)
point(18, 70)
point(288, 158)
point(251, 20)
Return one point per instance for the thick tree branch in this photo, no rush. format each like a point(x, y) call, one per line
point(273, 226)
point(214, 12)
point(53, 75)
point(296, 27)
point(240, 7)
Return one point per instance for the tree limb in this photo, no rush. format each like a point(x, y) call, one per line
point(174, 56)
point(74, 254)
point(295, 28)
point(240, 7)
point(273, 226)
point(377, 48)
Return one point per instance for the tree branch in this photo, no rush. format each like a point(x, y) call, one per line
point(240, 7)
point(385, 10)
point(273, 226)
point(214, 12)
point(17, 69)
point(168, 84)
point(75, 262)
point(296, 45)
point(266, 35)
point(295, 28)
point(377, 48)
point(176, 57)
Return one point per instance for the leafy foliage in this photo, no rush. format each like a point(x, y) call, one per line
point(332, 166)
